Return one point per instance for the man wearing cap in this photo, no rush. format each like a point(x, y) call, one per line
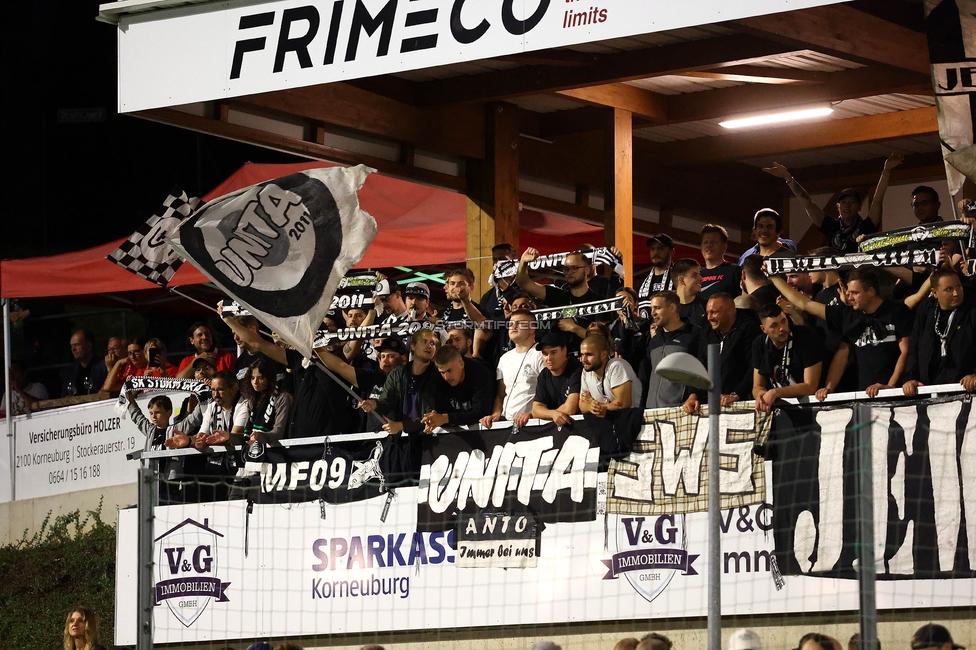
point(934, 637)
point(558, 390)
point(517, 373)
point(660, 247)
point(744, 639)
point(767, 226)
point(388, 291)
point(417, 300)
point(842, 233)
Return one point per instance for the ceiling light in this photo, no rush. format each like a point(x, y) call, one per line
point(777, 118)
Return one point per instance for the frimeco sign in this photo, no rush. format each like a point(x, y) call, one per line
point(216, 50)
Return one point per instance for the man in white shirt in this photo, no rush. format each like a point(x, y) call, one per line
point(607, 384)
point(517, 374)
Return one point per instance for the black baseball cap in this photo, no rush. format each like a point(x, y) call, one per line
point(851, 192)
point(394, 344)
point(552, 339)
point(202, 362)
point(661, 239)
point(931, 636)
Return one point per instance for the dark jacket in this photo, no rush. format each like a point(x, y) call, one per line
point(658, 391)
point(390, 402)
point(736, 355)
point(925, 361)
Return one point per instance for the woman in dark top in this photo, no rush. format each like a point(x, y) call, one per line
point(270, 407)
point(81, 630)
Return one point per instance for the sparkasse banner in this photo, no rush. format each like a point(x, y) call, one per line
point(228, 49)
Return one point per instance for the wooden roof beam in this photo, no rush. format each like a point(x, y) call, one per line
point(607, 68)
point(845, 32)
point(919, 167)
point(772, 141)
point(638, 101)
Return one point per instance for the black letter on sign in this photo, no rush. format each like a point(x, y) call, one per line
point(250, 45)
point(519, 27)
point(297, 45)
point(461, 33)
point(330, 45)
point(362, 20)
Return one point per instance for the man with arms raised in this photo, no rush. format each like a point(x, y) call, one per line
point(671, 334)
point(787, 361)
point(557, 394)
point(577, 290)
point(201, 341)
point(607, 384)
point(877, 329)
point(517, 373)
point(942, 348)
point(734, 330)
point(718, 276)
point(467, 396)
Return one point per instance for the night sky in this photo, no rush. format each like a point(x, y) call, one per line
point(75, 185)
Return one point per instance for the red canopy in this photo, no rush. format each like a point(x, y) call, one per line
point(418, 226)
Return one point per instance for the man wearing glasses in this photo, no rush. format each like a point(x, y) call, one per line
point(925, 204)
point(575, 292)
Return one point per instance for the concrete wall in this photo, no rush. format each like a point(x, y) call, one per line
point(18, 516)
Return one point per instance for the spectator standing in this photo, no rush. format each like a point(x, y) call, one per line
point(688, 284)
point(671, 334)
point(202, 343)
point(461, 339)
point(517, 374)
point(369, 379)
point(661, 248)
point(606, 384)
point(718, 276)
point(269, 407)
point(786, 362)
point(86, 375)
point(468, 394)
point(926, 204)
point(756, 284)
point(767, 226)
point(557, 393)
point(458, 285)
point(410, 389)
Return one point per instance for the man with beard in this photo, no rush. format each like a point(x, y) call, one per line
point(458, 285)
point(877, 329)
point(660, 278)
point(786, 362)
point(607, 384)
point(767, 226)
point(202, 343)
point(461, 339)
point(718, 276)
point(577, 291)
point(558, 391)
point(517, 374)
point(671, 334)
point(410, 389)
point(843, 232)
point(389, 294)
point(942, 347)
point(467, 396)
point(417, 301)
point(734, 330)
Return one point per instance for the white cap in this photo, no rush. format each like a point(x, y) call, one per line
point(743, 639)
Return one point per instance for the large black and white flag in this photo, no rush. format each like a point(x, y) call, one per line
point(146, 252)
point(281, 248)
point(923, 465)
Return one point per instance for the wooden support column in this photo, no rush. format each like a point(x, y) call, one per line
point(618, 187)
point(493, 199)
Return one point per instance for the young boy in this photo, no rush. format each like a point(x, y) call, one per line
point(158, 431)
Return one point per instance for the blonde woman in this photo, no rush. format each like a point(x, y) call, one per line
point(81, 630)
point(156, 353)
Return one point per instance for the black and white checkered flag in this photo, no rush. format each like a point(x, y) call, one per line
point(146, 252)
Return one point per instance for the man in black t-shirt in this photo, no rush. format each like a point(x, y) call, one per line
point(466, 395)
point(718, 276)
point(688, 284)
point(786, 362)
point(558, 391)
point(878, 330)
point(577, 292)
point(756, 284)
point(368, 380)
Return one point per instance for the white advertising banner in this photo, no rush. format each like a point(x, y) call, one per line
point(229, 49)
point(303, 569)
point(75, 448)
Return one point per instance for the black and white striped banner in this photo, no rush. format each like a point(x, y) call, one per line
point(931, 233)
point(195, 386)
point(554, 262)
point(780, 265)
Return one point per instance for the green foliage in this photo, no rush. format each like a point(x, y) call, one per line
point(70, 561)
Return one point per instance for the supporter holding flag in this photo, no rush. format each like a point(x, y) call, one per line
point(517, 374)
point(734, 331)
point(488, 341)
point(368, 379)
point(718, 276)
point(467, 396)
point(606, 285)
point(688, 284)
point(410, 389)
point(942, 347)
point(671, 334)
point(767, 226)
point(661, 248)
point(786, 361)
point(606, 384)
point(877, 329)
point(201, 341)
point(843, 232)
point(557, 392)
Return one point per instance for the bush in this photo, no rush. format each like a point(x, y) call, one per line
point(68, 562)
